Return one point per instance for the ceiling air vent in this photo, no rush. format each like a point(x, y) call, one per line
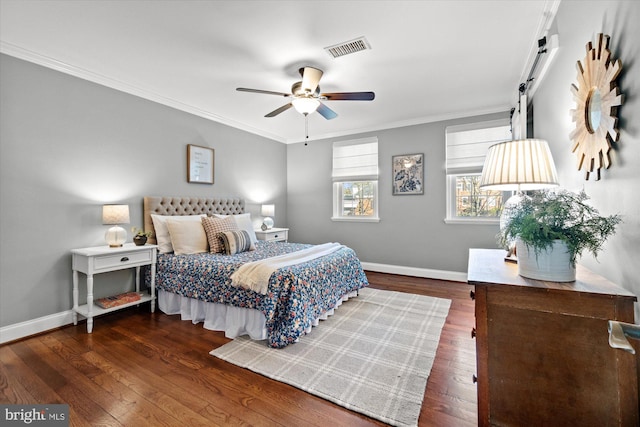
point(352, 46)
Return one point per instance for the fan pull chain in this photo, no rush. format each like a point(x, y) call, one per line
point(306, 127)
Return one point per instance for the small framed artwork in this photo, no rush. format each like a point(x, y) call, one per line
point(199, 164)
point(408, 174)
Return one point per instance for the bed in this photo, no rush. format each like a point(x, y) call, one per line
point(199, 287)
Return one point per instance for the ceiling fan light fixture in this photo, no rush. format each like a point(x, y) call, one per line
point(306, 95)
point(305, 105)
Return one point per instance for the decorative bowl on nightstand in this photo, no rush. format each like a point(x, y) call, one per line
point(140, 240)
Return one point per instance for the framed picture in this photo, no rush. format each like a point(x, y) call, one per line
point(408, 174)
point(199, 164)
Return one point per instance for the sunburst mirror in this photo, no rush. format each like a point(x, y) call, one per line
point(597, 98)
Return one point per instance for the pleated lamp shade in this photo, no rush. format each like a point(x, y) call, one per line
point(524, 164)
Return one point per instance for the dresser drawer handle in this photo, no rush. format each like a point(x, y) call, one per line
point(275, 236)
point(124, 259)
point(474, 379)
point(473, 332)
point(472, 295)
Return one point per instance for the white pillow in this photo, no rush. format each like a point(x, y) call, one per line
point(187, 237)
point(244, 223)
point(163, 239)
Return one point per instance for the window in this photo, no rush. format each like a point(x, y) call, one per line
point(467, 146)
point(355, 180)
point(471, 202)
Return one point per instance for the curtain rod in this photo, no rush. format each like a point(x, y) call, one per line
point(542, 49)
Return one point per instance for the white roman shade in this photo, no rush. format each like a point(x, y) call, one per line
point(355, 160)
point(467, 145)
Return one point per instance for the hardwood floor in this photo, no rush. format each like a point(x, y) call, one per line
point(143, 369)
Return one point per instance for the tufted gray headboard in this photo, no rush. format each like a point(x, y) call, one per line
point(188, 206)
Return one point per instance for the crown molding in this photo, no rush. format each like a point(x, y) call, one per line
point(103, 80)
point(122, 86)
point(405, 123)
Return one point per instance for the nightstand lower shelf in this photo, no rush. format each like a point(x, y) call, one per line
point(96, 310)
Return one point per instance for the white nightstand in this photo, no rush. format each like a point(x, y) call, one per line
point(102, 259)
point(273, 235)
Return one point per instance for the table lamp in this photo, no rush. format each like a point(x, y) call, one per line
point(115, 215)
point(519, 165)
point(267, 212)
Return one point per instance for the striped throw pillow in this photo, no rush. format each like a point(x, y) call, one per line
point(236, 242)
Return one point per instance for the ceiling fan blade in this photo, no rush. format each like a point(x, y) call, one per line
point(326, 112)
point(349, 96)
point(279, 110)
point(267, 92)
point(310, 78)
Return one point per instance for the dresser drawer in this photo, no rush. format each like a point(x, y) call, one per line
point(121, 260)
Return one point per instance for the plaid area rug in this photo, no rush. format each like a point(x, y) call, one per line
point(373, 356)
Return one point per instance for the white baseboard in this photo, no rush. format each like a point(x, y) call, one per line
point(35, 326)
point(43, 324)
point(454, 276)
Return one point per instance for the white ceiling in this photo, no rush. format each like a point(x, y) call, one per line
point(429, 60)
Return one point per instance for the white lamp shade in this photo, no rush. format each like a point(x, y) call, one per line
point(524, 164)
point(115, 214)
point(305, 105)
point(268, 210)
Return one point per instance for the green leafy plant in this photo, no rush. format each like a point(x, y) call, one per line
point(140, 232)
point(546, 216)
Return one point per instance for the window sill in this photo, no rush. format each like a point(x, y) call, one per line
point(473, 221)
point(354, 219)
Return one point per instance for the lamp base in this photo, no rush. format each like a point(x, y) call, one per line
point(268, 222)
point(115, 236)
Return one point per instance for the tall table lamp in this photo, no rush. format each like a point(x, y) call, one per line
point(115, 215)
point(267, 212)
point(520, 165)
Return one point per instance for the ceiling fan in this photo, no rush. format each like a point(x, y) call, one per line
point(306, 95)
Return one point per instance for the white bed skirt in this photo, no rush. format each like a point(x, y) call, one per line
point(234, 321)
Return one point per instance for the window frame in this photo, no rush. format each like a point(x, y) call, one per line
point(452, 217)
point(338, 206)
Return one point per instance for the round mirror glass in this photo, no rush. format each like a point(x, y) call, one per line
point(593, 111)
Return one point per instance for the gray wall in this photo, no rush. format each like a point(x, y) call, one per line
point(576, 24)
point(67, 146)
point(411, 232)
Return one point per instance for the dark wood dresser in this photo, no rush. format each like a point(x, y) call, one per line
point(543, 356)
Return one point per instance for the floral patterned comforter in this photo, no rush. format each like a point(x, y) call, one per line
point(296, 296)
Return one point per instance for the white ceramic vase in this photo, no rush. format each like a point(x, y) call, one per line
point(552, 264)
